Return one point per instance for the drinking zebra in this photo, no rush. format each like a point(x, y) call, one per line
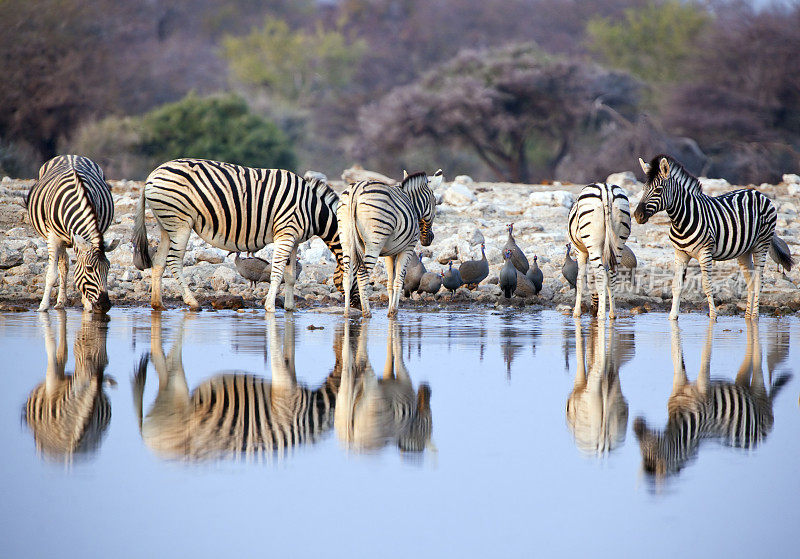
point(739, 414)
point(239, 209)
point(597, 412)
point(70, 205)
point(372, 412)
point(69, 414)
point(599, 225)
point(234, 413)
point(376, 219)
point(738, 224)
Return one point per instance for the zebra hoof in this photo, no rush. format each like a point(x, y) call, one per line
point(392, 313)
point(158, 306)
point(58, 306)
point(673, 316)
point(43, 308)
point(576, 314)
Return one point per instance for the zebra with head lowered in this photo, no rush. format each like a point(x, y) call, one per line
point(376, 219)
point(70, 205)
point(239, 209)
point(599, 225)
point(739, 414)
point(738, 224)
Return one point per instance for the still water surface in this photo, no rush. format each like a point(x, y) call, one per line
point(439, 434)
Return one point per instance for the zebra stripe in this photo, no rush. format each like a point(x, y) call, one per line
point(599, 224)
point(240, 209)
point(739, 414)
point(69, 414)
point(70, 205)
point(738, 224)
point(377, 219)
point(233, 413)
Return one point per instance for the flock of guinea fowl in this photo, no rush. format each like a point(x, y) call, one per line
point(515, 271)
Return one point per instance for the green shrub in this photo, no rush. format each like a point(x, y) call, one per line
point(219, 127)
point(114, 143)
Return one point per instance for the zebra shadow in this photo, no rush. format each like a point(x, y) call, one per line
point(234, 414)
point(69, 414)
point(597, 412)
point(738, 414)
point(372, 412)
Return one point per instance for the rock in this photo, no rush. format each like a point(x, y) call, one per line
point(212, 256)
point(790, 179)
point(315, 252)
point(11, 255)
point(458, 195)
point(17, 232)
point(222, 277)
point(467, 180)
point(227, 302)
point(625, 179)
point(448, 253)
point(315, 175)
point(358, 173)
point(476, 238)
point(714, 184)
point(551, 198)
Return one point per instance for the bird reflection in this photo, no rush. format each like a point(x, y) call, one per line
point(372, 412)
point(739, 414)
point(235, 413)
point(69, 414)
point(597, 412)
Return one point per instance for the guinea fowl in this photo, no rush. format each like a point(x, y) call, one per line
point(508, 275)
point(475, 271)
point(570, 268)
point(627, 259)
point(517, 256)
point(414, 273)
point(255, 269)
point(429, 283)
point(535, 275)
point(451, 279)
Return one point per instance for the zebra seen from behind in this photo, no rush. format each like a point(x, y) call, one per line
point(739, 414)
point(69, 414)
point(70, 205)
point(377, 219)
point(234, 413)
point(599, 225)
point(239, 209)
point(738, 224)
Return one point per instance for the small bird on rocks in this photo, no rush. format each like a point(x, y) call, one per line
point(430, 282)
point(570, 268)
point(535, 275)
point(414, 273)
point(451, 279)
point(517, 256)
point(627, 258)
point(255, 269)
point(475, 271)
point(508, 275)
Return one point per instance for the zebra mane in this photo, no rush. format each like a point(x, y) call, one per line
point(413, 180)
point(677, 172)
point(321, 188)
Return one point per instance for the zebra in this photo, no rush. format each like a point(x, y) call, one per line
point(233, 413)
point(599, 224)
point(738, 224)
point(239, 209)
point(69, 414)
point(739, 414)
point(376, 219)
point(371, 413)
point(597, 412)
point(70, 205)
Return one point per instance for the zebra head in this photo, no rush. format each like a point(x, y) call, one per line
point(91, 272)
point(654, 194)
point(420, 189)
point(651, 445)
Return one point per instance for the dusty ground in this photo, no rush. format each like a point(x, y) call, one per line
point(469, 212)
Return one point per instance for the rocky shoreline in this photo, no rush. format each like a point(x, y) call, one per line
point(468, 213)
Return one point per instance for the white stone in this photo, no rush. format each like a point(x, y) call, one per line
point(625, 179)
point(464, 179)
point(791, 179)
point(551, 198)
point(458, 195)
point(17, 232)
point(714, 184)
point(477, 237)
point(794, 190)
point(212, 255)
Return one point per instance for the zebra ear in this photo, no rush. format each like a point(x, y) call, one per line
point(436, 181)
point(663, 167)
point(80, 244)
point(405, 174)
point(645, 166)
point(112, 245)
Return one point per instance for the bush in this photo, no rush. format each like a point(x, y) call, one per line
point(220, 128)
point(114, 143)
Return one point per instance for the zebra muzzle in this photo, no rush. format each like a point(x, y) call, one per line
point(640, 215)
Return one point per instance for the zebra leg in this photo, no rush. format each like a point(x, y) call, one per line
point(581, 283)
point(370, 257)
point(612, 284)
point(759, 261)
point(54, 248)
point(681, 261)
point(159, 263)
point(390, 273)
point(177, 248)
point(400, 265)
point(289, 280)
point(285, 245)
point(601, 286)
point(63, 270)
point(746, 265)
point(705, 269)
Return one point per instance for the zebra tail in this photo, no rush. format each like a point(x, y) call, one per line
point(610, 243)
point(138, 382)
point(141, 250)
point(358, 251)
point(780, 253)
point(779, 383)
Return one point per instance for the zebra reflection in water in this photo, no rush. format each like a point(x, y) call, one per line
point(738, 414)
point(69, 414)
point(233, 413)
point(597, 412)
point(372, 412)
